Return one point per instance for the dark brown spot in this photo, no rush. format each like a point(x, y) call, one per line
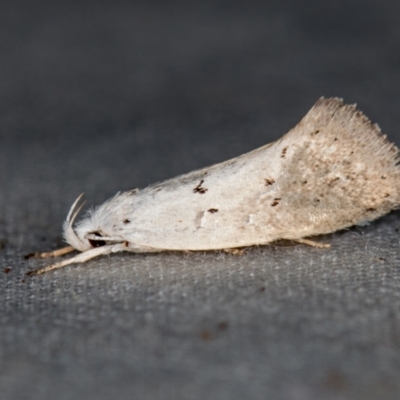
point(304, 182)
point(205, 336)
point(317, 131)
point(126, 221)
point(269, 182)
point(283, 154)
point(275, 202)
point(223, 326)
point(335, 139)
point(370, 209)
point(262, 289)
point(30, 255)
point(387, 194)
point(317, 200)
point(213, 210)
point(199, 189)
point(333, 181)
point(23, 280)
point(7, 270)
point(383, 177)
point(382, 259)
point(96, 243)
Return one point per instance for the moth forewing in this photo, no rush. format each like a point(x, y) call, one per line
point(331, 171)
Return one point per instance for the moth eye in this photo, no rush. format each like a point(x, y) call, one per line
point(97, 243)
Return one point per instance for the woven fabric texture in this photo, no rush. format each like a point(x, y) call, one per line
point(106, 96)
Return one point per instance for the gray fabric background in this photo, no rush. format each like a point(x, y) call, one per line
point(106, 96)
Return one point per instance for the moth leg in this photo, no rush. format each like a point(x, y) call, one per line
point(235, 252)
point(309, 242)
point(51, 254)
point(81, 257)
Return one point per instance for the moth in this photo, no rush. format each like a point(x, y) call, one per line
point(334, 169)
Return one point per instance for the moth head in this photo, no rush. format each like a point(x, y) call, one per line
point(86, 235)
